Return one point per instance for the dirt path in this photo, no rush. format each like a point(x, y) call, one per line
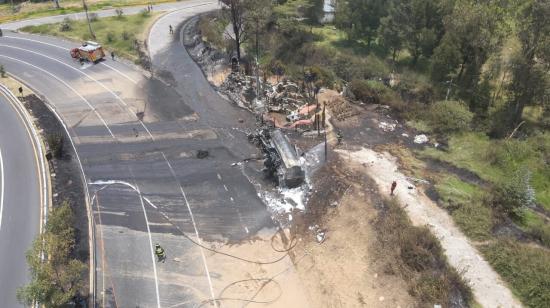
point(488, 288)
point(348, 269)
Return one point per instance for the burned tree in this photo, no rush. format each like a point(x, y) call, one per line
point(236, 10)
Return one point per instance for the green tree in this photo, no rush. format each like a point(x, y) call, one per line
point(447, 117)
point(391, 31)
point(514, 194)
point(473, 31)
point(530, 67)
point(364, 18)
point(56, 278)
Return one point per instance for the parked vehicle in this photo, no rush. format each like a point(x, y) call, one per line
point(89, 51)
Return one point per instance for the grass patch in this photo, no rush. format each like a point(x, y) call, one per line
point(465, 203)
point(27, 10)
point(114, 33)
point(494, 160)
point(525, 268)
point(416, 254)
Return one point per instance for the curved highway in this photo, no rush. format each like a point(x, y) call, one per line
point(20, 200)
point(145, 183)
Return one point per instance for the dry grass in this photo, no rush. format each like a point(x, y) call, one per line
point(416, 254)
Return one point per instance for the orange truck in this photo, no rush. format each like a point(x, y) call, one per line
point(89, 51)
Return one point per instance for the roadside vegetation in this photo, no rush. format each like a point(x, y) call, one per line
point(123, 34)
point(36, 8)
point(416, 255)
point(471, 75)
point(57, 276)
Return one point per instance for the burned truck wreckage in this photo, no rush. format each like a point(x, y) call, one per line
point(281, 160)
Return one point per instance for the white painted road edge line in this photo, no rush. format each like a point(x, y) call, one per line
point(38, 151)
point(68, 86)
point(1, 188)
point(196, 230)
point(124, 107)
point(136, 189)
point(63, 48)
point(91, 224)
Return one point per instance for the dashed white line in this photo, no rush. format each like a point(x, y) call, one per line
point(225, 187)
point(150, 246)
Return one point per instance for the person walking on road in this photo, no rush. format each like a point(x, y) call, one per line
point(171, 29)
point(393, 186)
point(159, 251)
point(113, 55)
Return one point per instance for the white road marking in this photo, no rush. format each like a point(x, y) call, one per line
point(136, 189)
point(150, 246)
point(37, 151)
point(68, 86)
point(225, 187)
point(63, 48)
point(219, 177)
point(92, 79)
point(196, 230)
point(1, 188)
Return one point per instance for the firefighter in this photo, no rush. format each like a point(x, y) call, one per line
point(159, 251)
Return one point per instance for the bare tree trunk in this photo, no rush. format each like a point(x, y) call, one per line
point(88, 19)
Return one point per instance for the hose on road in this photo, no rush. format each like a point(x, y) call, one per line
point(293, 243)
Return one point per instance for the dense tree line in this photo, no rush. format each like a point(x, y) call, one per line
point(457, 38)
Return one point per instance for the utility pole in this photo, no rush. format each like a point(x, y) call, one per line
point(88, 19)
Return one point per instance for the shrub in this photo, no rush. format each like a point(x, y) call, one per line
point(125, 35)
point(93, 17)
point(66, 25)
point(347, 68)
point(145, 13)
point(525, 268)
point(110, 37)
point(375, 67)
point(119, 12)
point(447, 117)
point(320, 76)
point(515, 193)
point(419, 258)
point(370, 91)
point(55, 142)
point(277, 68)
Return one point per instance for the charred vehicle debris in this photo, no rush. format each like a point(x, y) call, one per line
point(281, 159)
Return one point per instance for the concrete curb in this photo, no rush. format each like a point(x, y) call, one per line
point(91, 223)
point(40, 150)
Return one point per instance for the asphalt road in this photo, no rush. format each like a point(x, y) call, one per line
point(20, 202)
point(101, 13)
point(146, 184)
